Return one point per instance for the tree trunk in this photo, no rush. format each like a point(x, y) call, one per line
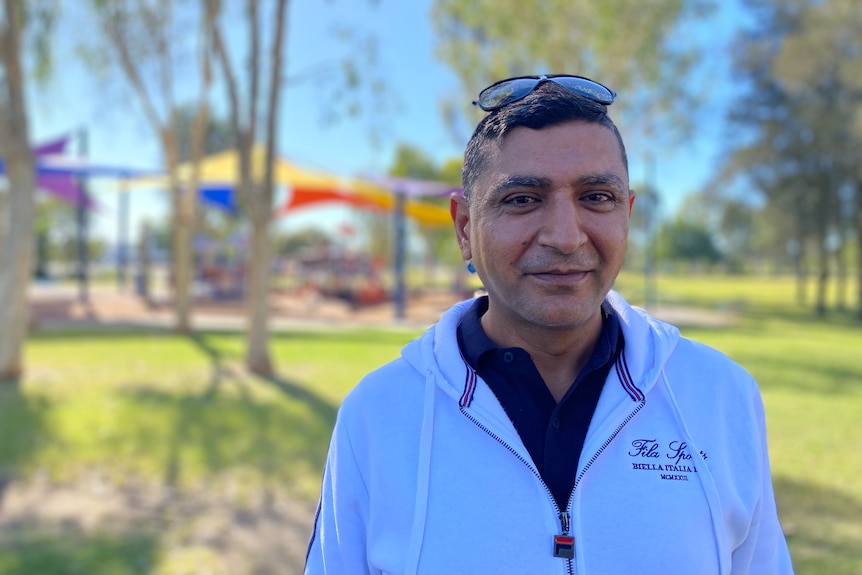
point(841, 276)
point(181, 234)
point(822, 277)
point(182, 264)
point(144, 267)
point(260, 271)
point(259, 277)
point(3, 208)
point(801, 279)
point(859, 247)
point(16, 255)
point(16, 245)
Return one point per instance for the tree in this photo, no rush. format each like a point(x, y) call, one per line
point(737, 227)
point(16, 232)
point(256, 194)
point(142, 37)
point(639, 49)
point(823, 55)
point(801, 120)
point(689, 242)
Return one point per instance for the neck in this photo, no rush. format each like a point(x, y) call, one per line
point(558, 353)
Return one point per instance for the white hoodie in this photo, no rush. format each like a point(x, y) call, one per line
point(426, 474)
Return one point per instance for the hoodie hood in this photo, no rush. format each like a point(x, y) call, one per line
point(649, 343)
point(437, 352)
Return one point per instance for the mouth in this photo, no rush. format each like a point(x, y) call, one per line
point(560, 276)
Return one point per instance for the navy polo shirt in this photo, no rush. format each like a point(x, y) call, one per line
point(552, 433)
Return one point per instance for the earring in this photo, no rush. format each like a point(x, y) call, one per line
point(470, 267)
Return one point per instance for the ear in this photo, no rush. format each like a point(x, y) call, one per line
point(460, 212)
point(631, 201)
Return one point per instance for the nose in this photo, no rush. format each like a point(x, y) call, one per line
point(561, 227)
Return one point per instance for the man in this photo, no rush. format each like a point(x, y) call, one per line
point(549, 427)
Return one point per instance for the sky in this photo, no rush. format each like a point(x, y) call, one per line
point(74, 102)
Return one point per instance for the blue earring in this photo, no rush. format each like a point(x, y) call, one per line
point(470, 267)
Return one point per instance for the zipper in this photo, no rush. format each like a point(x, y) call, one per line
point(563, 516)
point(605, 446)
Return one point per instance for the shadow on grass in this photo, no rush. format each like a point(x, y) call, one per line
point(805, 316)
point(22, 431)
point(75, 553)
point(754, 312)
point(322, 408)
point(802, 374)
point(204, 436)
point(234, 424)
point(327, 333)
point(822, 526)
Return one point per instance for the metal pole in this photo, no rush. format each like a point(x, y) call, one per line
point(400, 249)
point(83, 251)
point(123, 237)
point(650, 272)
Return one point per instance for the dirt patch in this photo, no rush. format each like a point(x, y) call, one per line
point(62, 307)
point(261, 536)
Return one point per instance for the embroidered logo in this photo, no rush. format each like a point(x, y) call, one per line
point(673, 460)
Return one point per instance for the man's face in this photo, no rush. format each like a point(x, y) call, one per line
point(547, 226)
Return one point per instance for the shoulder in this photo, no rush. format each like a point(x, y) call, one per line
point(693, 358)
point(392, 383)
point(707, 381)
point(387, 398)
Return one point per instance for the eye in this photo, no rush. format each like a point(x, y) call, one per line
point(599, 197)
point(520, 200)
point(600, 200)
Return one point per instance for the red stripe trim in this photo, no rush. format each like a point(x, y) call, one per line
point(626, 378)
point(469, 388)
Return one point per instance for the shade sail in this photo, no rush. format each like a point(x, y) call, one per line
point(61, 165)
point(60, 174)
point(412, 187)
point(222, 168)
point(219, 196)
point(305, 187)
point(423, 212)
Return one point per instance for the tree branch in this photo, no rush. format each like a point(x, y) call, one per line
point(227, 70)
point(254, 68)
point(273, 108)
point(132, 73)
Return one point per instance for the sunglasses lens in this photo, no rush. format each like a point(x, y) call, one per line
point(505, 92)
point(511, 90)
point(587, 88)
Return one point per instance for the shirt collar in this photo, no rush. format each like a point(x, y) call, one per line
point(475, 344)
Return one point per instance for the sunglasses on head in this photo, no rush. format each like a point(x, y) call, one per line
point(505, 92)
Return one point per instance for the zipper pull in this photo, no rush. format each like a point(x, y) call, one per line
point(564, 544)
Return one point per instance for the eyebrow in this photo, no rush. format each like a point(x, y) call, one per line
point(515, 182)
point(602, 180)
point(518, 182)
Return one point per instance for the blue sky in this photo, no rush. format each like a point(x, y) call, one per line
point(117, 134)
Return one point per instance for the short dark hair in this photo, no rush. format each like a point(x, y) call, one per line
point(547, 105)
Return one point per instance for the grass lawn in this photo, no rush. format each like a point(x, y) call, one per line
point(144, 411)
point(139, 408)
